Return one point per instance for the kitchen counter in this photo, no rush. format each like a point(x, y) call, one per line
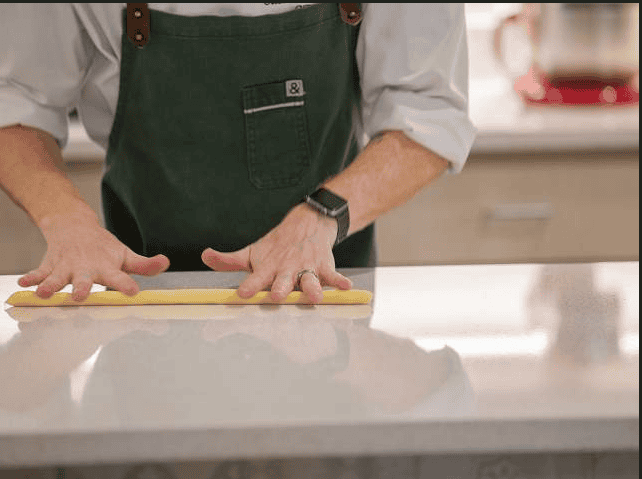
point(446, 360)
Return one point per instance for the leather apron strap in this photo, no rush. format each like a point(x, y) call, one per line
point(138, 24)
point(350, 13)
point(138, 20)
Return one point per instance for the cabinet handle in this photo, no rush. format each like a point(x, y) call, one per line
point(521, 212)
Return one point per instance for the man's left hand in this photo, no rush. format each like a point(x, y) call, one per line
point(302, 241)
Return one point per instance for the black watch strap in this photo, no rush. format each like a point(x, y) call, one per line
point(343, 225)
point(333, 206)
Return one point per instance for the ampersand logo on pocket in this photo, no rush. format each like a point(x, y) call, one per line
point(294, 88)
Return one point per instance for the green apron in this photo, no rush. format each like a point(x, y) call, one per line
point(223, 124)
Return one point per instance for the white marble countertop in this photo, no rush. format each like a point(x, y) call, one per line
point(447, 359)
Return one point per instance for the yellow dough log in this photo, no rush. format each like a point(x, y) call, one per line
point(184, 296)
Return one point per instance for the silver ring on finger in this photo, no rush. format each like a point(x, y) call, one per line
point(300, 275)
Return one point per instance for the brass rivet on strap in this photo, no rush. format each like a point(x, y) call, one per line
point(138, 24)
point(350, 13)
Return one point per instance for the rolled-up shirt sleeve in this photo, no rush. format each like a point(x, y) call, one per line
point(413, 66)
point(44, 54)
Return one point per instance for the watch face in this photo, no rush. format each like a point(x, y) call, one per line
point(330, 201)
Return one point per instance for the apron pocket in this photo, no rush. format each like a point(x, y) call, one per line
point(276, 134)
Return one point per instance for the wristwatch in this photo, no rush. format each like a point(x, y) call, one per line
point(333, 206)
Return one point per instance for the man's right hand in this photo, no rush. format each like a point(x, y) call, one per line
point(81, 252)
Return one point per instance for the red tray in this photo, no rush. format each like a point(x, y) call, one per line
point(536, 88)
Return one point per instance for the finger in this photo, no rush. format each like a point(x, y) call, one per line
point(34, 277)
point(54, 282)
point(137, 264)
point(82, 286)
point(282, 286)
point(254, 283)
point(234, 261)
point(336, 280)
point(311, 287)
point(119, 281)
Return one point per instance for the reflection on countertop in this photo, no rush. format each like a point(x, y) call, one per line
point(438, 345)
point(264, 365)
point(133, 367)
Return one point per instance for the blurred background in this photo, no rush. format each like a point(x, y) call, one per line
point(553, 176)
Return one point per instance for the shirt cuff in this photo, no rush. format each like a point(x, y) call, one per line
point(15, 108)
point(432, 122)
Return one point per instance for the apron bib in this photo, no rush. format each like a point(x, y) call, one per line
point(223, 124)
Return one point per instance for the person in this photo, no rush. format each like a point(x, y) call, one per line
point(265, 138)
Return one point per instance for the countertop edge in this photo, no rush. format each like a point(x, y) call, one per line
point(501, 142)
point(427, 438)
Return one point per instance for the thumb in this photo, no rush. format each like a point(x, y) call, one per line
point(234, 261)
point(137, 264)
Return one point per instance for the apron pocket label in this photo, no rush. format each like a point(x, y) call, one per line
point(276, 134)
point(294, 88)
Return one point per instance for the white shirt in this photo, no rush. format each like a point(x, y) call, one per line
point(412, 60)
